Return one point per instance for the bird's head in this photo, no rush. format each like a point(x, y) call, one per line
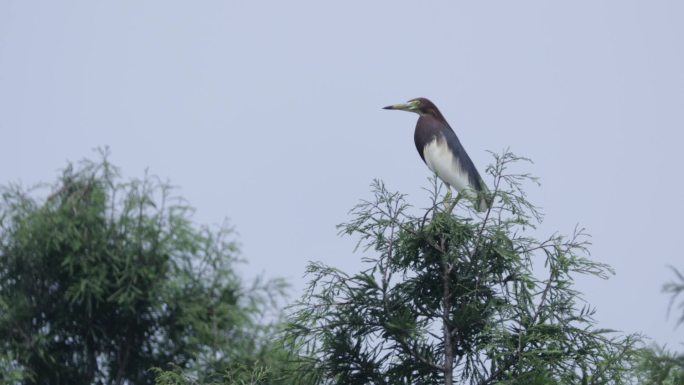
point(420, 106)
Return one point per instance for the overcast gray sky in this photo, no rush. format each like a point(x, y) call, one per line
point(269, 113)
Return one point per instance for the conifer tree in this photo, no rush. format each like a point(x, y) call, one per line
point(456, 298)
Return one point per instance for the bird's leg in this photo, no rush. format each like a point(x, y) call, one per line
point(447, 196)
point(449, 204)
point(452, 204)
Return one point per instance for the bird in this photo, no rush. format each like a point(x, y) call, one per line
point(443, 153)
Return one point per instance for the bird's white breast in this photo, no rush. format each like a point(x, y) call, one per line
point(443, 163)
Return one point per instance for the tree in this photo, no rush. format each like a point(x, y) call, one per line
point(104, 280)
point(658, 365)
point(675, 288)
point(458, 298)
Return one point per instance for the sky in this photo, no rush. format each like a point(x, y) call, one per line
point(268, 114)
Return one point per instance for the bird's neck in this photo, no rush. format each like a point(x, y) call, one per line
point(434, 114)
point(436, 121)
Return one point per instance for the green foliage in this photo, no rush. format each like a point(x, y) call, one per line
point(658, 366)
point(271, 366)
point(106, 279)
point(675, 288)
point(464, 298)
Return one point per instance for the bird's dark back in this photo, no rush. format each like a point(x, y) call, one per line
point(430, 127)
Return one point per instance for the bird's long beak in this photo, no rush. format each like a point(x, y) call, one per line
point(402, 107)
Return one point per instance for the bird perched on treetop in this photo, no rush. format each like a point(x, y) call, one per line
point(443, 153)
